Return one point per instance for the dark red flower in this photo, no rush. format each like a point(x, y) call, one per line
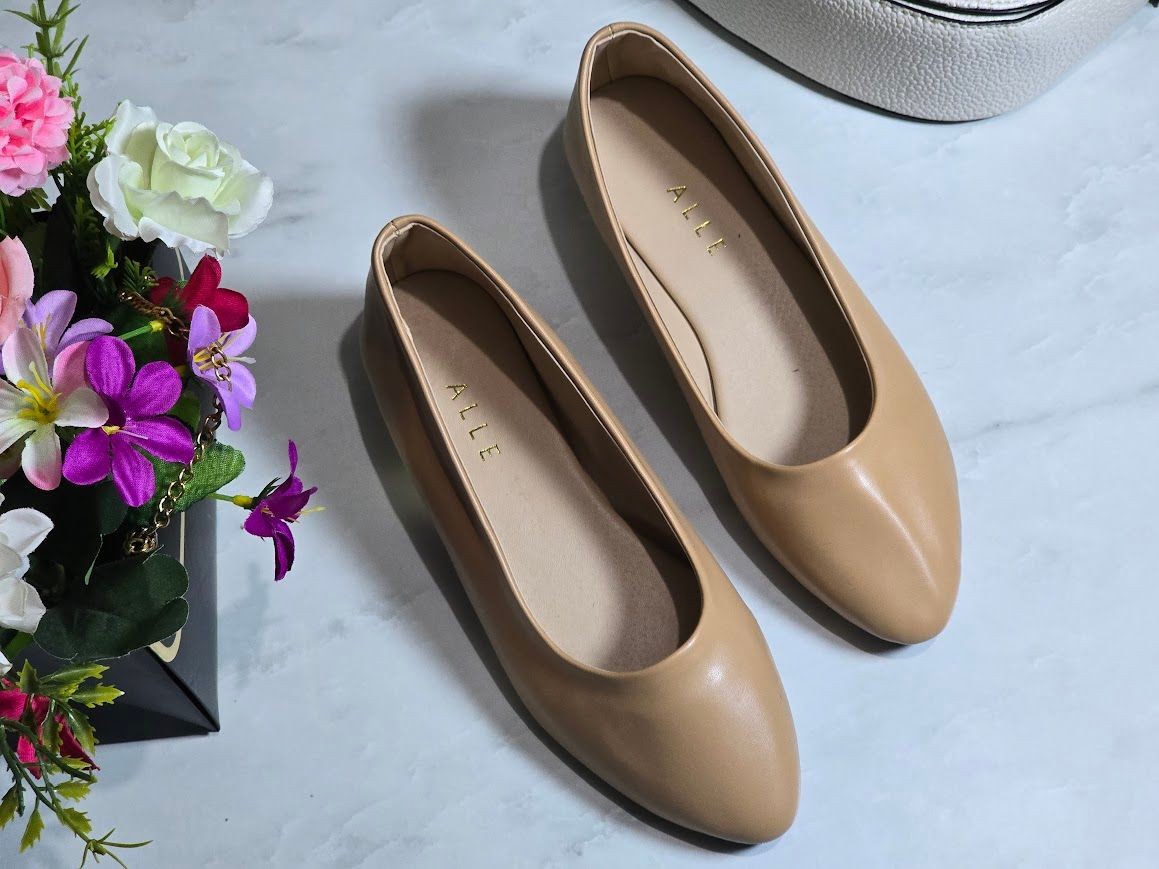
point(203, 288)
point(14, 703)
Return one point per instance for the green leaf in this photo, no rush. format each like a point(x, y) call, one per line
point(110, 508)
point(73, 789)
point(77, 821)
point(28, 681)
point(63, 683)
point(73, 763)
point(18, 643)
point(97, 695)
point(220, 466)
point(81, 729)
point(8, 807)
point(32, 831)
point(50, 734)
point(188, 408)
point(128, 604)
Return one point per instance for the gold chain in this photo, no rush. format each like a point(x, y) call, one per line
point(143, 541)
point(173, 324)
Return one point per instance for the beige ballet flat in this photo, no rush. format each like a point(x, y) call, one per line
point(610, 616)
point(816, 419)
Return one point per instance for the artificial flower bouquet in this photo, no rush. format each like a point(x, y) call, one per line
point(115, 380)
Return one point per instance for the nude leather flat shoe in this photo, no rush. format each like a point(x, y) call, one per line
point(612, 619)
point(816, 419)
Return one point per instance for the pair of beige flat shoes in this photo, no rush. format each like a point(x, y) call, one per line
point(613, 620)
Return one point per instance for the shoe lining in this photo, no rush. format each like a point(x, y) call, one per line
point(603, 592)
point(758, 328)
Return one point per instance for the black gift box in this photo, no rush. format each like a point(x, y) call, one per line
point(170, 687)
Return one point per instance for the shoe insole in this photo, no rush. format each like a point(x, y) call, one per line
point(601, 593)
point(749, 313)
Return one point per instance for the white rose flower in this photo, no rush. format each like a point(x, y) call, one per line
point(21, 531)
point(176, 182)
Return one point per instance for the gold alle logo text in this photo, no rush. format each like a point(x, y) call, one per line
point(677, 191)
point(459, 389)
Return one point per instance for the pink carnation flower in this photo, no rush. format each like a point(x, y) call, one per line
point(34, 122)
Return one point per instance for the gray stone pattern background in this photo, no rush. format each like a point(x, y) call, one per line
point(365, 720)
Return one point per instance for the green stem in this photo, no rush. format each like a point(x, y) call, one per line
point(148, 328)
point(17, 766)
point(52, 802)
point(12, 760)
point(14, 766)
point(17, 645)
point(27, 733)
point(234, 499)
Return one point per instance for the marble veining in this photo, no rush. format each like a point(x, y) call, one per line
point(366, 723)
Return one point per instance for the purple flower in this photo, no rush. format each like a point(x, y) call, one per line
point(136, 401)
point(274, 510)
point(49, 319)
point(206, 343)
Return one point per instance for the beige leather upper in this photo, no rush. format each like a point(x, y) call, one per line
point(704, 737)
point(873, 529)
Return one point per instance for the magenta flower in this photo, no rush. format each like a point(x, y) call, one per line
point(274, 510)
point(14, 704)
point(136, 401)
point(49, 318)
point(207, 341)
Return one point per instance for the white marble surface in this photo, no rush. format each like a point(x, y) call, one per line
point(365, 722)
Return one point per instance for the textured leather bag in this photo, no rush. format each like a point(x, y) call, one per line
point(945, 60)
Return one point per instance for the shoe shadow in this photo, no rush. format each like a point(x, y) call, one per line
point(344, 415)
point(412, 512)
point(620, 324)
